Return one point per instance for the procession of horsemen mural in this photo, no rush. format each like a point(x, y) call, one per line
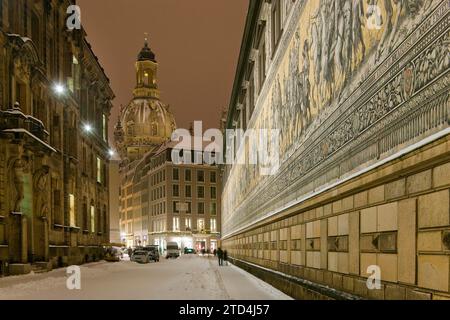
point(335, 45)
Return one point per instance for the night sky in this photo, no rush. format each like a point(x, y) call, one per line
point(196, 43)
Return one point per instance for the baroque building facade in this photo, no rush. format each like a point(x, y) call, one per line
point(55, 101)
point(358, 95)
point(161, 201)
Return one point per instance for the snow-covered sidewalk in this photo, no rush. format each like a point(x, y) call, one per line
point(188, 278)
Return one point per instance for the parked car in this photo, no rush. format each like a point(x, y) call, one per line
point(138, 248)
point(112, 252)
point(172, 250)
point(141, 256)
point(153, 252)
point(189, 251)
point(113, 255)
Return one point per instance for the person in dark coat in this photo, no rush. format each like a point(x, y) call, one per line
point(220, 256)
point(215, 252)
point(225, 257)
point(130, 252)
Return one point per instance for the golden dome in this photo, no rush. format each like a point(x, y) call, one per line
point(146, 122)
point(149, 118)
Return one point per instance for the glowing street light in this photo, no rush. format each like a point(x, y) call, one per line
point(59, 89)
point(87, 128)
point(111, 153)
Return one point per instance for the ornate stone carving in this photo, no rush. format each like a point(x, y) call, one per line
point(381, 112)
point(41, 191)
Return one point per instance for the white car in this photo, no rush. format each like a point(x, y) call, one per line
point(141, 256)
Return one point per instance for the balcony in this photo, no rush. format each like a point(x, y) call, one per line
point(21, 127)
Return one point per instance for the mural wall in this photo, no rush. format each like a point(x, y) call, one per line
point(344, 66)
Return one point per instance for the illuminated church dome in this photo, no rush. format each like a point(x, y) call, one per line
point(146, 122)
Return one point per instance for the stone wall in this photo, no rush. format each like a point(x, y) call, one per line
point(362, 117)
point(396, 217)
point(389, 101)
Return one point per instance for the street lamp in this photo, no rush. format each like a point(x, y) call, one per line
point(111, 153)
point(87, 128)
point(59, 89)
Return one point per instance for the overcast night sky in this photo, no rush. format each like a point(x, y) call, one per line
point(196, 43)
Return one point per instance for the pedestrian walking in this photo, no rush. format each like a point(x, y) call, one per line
point(220, 256)
point(130, 252)
point(215, 252)
point(225, 257)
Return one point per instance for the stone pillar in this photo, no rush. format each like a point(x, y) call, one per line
point(46, 244)
point(30, 238)
point(24, 240)
point(14, 238)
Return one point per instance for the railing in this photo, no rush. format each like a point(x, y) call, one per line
point(16, 122)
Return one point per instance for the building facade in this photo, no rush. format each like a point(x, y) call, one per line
point(161, 201)
point(359, 98)
point(55, 101)
point(171, 203)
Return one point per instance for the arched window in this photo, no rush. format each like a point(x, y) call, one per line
point(146, 78)
point(36, 31)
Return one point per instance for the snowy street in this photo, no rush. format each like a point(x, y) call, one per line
point(190, 277)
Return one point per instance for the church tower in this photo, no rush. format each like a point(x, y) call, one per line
point(146, 74)
point(146, 122)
